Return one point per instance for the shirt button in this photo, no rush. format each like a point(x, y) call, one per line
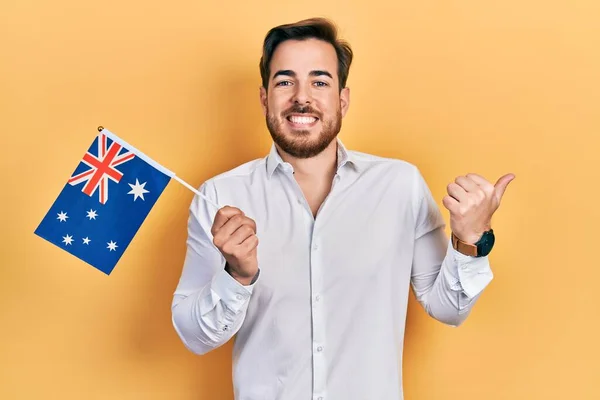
point(320, 349)
point(317, 298)
point(239, 297)
point(315, 247)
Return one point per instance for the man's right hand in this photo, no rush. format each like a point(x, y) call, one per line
point(234, 235)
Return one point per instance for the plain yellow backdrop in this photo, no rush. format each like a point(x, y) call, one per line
point(452, 86)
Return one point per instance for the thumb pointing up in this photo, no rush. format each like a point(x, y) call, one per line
point(502, 184)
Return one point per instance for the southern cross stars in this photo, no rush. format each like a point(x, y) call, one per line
point(138, 190)
point(92, 214)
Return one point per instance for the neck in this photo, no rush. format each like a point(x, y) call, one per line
point(321, 166)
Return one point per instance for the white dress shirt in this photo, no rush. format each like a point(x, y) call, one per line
point(325, 319)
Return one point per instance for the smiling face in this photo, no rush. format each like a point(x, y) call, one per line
point(303, 105)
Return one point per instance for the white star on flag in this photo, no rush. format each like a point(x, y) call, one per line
point(91, 214)
point(62, 216)
point(86, 240)
point(112, 246)
point(67, 240)
point(138, 190)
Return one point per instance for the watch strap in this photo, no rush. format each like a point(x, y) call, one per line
point(462, 247)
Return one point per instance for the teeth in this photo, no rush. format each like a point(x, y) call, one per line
point(302, 120)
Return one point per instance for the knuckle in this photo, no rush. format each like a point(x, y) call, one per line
point(228, 249)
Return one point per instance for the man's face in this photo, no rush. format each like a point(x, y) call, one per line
point(303, 105)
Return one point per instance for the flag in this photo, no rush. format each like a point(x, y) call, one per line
point(104, 202)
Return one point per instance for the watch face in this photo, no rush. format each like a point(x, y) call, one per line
point(485, 244)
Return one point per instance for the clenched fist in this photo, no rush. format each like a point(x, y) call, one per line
point(234, 235)
point(472, 201)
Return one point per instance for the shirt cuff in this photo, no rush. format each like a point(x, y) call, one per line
point(234, 294)
point(474, 273)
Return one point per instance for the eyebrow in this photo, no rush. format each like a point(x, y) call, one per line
point(289, 72)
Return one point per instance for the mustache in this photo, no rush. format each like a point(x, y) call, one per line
point(298, 109)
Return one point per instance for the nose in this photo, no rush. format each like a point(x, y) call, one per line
point(302, 95)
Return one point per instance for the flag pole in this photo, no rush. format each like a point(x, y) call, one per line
point(187, 185)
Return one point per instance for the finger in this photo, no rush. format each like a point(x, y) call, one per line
point(250, 243)
point(223, 236)
point(230, 226)
point(502, 183)
point(466, 183)
point(457, 192)
point(451, 204)
point(250, 221)
point(242, 233)
point(243, 250)
point(481, 182)
point(223, 215)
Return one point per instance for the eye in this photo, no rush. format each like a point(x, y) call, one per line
point(283, 83)
point(321, 84)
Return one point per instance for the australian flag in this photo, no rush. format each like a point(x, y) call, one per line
point(104, 202)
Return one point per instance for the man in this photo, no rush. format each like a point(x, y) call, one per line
point(318, 308)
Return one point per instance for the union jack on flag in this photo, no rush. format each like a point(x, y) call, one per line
point(101, 160)
point(84, 221)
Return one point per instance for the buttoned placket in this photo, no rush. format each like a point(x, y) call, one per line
point(316, 284)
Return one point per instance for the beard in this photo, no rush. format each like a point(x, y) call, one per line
point(299, 144)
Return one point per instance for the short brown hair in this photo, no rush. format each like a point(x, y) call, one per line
point(317, 28)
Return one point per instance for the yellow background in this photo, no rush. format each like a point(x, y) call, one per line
point(452, 86)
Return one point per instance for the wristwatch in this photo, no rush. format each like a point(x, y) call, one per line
point(481, 248)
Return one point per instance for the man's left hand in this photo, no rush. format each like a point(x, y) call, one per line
point(472, 201)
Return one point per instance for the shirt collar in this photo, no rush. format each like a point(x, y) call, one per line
point(344, 157)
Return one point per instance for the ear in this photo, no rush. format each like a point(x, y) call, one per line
point(263, 99)
point(345, 100)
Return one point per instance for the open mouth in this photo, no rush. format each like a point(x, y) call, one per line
point(302, 121)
